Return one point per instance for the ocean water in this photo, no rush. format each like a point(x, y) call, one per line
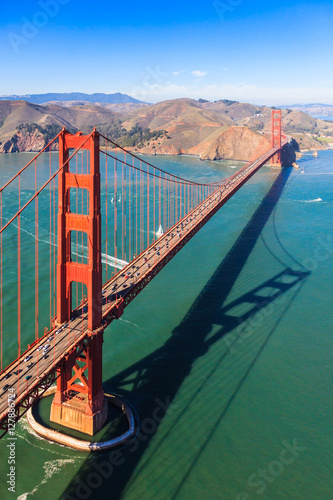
point(324, 117)
point(226, 358)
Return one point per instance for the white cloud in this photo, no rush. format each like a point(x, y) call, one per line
point(198, 73)
point(176, 73)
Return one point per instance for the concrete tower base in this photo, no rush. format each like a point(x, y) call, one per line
point(76, 414)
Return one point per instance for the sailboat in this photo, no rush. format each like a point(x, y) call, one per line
point(315, 153)
point(160, 231)
point(302, 170)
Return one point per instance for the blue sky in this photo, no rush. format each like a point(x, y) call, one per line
point(256, 51)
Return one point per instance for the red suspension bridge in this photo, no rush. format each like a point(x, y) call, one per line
point(133, 226)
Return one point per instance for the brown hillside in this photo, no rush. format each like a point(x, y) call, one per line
point(123, 108)
point(15, 113)
point(237, 143)
point(167, 114)
point(195, 127)
point(186, 122)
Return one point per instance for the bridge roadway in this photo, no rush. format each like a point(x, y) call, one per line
point(117, 293)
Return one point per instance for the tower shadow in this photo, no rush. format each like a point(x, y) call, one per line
point(152, 383)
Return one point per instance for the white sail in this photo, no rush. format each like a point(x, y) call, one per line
point(160, 231)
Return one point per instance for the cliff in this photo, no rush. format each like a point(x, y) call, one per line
point(236, 143)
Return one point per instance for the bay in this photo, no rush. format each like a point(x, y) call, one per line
point(225, 357)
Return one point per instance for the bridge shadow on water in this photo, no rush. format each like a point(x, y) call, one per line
point(152, 383)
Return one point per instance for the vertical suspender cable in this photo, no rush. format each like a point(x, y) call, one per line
point(136, 212)
point(106, 211)
point(154, 222)
point(1, 276)
point(19, 281)
point(129, 213)
point(142, 223)
point(122, 210)
point(159, 200)
point(115, 205)
point(133, 171)
point(168, 200)
point(175, 202)
point(54, 248)
point(125, 211)
point(36, 259)
point(148, 238)
point(50, 237)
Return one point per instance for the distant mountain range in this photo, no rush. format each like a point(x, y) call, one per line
point(116, 98)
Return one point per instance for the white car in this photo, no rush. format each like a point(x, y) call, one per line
point(27, 358)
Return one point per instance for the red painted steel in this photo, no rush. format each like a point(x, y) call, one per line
point(78, 368)
point(67, 271)
point(90, 375)
point(276, 135)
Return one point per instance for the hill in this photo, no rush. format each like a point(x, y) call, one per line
point(199, 127)
point(124, 108)
point(211, 130)
point(315, 110)
point(185, 120)
point(26, 127)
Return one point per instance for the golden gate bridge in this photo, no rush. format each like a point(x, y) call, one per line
point(153, 215)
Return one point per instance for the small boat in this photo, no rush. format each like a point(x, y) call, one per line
point(315, 153)
point(160, 231)
point(295, 165)
point(302, 170)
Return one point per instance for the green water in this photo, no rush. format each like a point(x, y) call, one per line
point(225, 357)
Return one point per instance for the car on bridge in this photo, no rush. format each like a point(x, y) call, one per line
point(27, 358)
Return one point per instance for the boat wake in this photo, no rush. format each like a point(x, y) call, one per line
point(312, 201)
point(51, 467)
point(113, 262)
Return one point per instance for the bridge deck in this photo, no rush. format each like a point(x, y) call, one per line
point(117, 293)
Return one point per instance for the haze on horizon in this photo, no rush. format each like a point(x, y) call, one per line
point(261, 52)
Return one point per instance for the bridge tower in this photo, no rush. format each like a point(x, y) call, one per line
point(276, 136)
point(79, 399)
